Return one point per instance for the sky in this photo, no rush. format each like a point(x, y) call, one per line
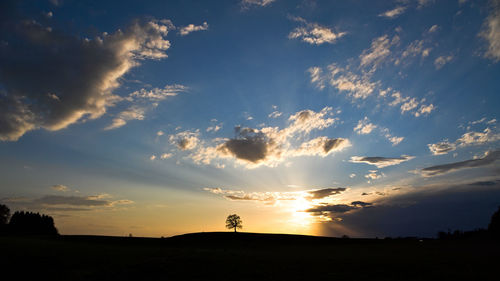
point(157, 118)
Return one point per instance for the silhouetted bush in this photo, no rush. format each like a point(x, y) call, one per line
point(4, 214)
point(32, 223)
point(4, 218)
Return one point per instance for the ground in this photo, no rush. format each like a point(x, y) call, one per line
point(246, 256)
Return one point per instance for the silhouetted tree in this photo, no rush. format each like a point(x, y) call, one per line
point(32, 223)
point(494, 226)
point(233, 221)
point(4, 214)
point(4, 218)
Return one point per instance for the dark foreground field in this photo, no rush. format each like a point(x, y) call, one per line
point(246, 256)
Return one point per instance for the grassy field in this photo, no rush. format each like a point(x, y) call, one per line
point(246, 256)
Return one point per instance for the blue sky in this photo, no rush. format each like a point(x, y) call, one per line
point(311, 117)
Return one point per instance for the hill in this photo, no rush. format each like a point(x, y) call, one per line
point(246, 256)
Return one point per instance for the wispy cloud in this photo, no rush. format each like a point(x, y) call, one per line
point(393, 13)
point(185, 30)
point(491, 31)
point(381, 162)
point(314, 33)
point(488, 159)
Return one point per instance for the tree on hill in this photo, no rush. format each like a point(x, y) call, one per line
point(233, 221)
point(32, 223)
point(494, 226)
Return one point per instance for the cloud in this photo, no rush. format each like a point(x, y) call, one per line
point(158, 94)
point(352, 175)
point(314, 33)
point(393, 13)
point(442, 60)
point(381, 162)
point(468, 139)
point(185, 30)
point(66, 203)
point(357, 87)
point(326, 192)
point(373, 175)
point(491, 31)
point(378, 52)
point(441, 147)
point(488, 159)
point(82, 73)
point(275, 114)
point(166, 155)
point(421, 212)
point(477, 138)
point(60, 187)
point(260, 3)
point(395, 140)
point(185, 140)
point(266, 197)
point(132, 113)
point(361, 204)
point(336, 208)
point(433, 28)
point(364, 126)
point(270, 145)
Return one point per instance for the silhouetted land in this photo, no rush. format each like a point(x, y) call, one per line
point(247, 256)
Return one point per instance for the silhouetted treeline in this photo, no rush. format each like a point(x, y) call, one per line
point(493, 231)
point(26, 223)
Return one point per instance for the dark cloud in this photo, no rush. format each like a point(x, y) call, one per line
point(381, 162)
point(423, 212)
point(64, 203)
point(250, 145)
point(322, 193)
point(361, 204)
point(71, 200)
point(336, 208)
point(51, 79)
point(485, 183)
point(488, 159)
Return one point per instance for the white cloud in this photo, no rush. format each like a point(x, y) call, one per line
point(441, 147)
point(352, 175)
point(314, 33)
point(158, 94)
point(433, 28)
point(364, 126)
point(132, 113)
point(152, 157)
point(185, 140)
point(346, 81)
point(442, 60)
point(393, 13)
point(261, 3)
point(166, 155)
point(373, 175)
point(378, 52)
point(160, 133)
point(270, 145)
point(60, 187)
point(477, 138)
point(467, 139)
point(185, 30)
point(275, 114)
